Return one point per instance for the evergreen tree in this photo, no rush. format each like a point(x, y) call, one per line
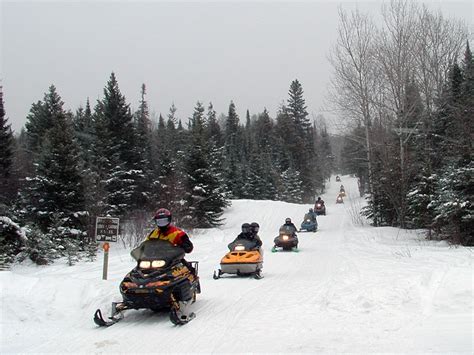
point(206, 199)
point(452, 205)
point(291, 189)
point(233, 142)
point(144, 152)
point(467, 107)
point(122, 164)
point(212, 126)
point(83, 124)
point(57, 192)
point(6, 155)
point(264, 156)
point(304, 151)
point(41, 118)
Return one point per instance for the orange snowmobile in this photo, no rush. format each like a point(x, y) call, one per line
point(243, 259)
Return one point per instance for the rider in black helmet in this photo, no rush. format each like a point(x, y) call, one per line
point(289, 226)
point(249, 232)
point(254, 228)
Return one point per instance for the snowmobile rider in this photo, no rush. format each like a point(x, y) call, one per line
point(288, 227)
point(320, 201)
point(254, 228)
point(341, 189)
point(249, 234)
point(166, 231)
point(311, 215)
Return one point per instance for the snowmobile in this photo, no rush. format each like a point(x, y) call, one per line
point(286, 240)
point(320, 209)
point(243, 259)
point(339, 199)
point(161, 281)
point(309, 225)
point(342, 191)
point(338, 179)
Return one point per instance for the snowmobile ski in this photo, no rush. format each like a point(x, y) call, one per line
point(101, 322)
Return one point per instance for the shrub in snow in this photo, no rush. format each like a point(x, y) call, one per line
point(12, 239)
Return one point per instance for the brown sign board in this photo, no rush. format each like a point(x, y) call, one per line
point(106, 229)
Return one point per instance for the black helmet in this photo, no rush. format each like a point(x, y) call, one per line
point(311, 210)
point(162, 217)
point(254, 227)
point(287, 220)
point(245, 228)
point(319, 198)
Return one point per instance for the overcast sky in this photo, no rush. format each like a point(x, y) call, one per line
point(248, 52)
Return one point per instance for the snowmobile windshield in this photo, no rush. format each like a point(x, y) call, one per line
point(290, 230)
point(155, 249)
point(246, 243)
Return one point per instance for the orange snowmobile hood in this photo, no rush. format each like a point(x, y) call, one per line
point(241, 257)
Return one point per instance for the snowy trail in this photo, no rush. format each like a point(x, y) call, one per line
point(351, 288)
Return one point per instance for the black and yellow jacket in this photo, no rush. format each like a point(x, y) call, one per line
point(174, 235)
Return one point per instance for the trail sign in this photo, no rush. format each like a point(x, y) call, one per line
point(106, 229)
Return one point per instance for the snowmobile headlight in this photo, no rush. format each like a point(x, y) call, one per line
point(145, 264)
point(158, 263)
point(308, 220)
point(239, 248)
point(285, 237)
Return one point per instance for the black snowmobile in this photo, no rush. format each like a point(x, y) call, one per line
point(161, 281)
point(286, 240)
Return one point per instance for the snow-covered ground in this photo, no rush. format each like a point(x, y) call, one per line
point(351, 288)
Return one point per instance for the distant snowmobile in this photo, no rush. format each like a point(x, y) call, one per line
point(243, 259)
point(161, 281)
point(320, 208)
point(339, 199)
point(342, 191)
point(309, 223)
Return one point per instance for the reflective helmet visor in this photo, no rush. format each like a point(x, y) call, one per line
point(162, 222)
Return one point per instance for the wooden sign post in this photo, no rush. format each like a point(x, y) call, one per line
point(106, 230)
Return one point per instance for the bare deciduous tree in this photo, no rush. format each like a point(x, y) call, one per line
point(354, 83)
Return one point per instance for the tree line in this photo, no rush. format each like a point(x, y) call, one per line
point(65, 168)
point(406, 89)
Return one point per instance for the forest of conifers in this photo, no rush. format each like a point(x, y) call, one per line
point(403, 92)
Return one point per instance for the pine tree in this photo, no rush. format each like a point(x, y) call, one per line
point(119, 153)
point(291, 189)
point(42, 117)
point(467, 107)
point(83, 123)
point(6, 155)
point(57, 191)
point(213, 130)
point(232, 143)
point(144, 152)
point(452, 205)
point(303, 151)
point(206, 199)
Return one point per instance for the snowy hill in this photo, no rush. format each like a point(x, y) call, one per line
point(351, 288)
